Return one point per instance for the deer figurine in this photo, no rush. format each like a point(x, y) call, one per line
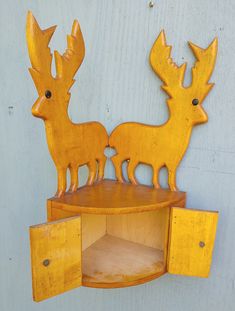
point(165, 145)
point(70, 145)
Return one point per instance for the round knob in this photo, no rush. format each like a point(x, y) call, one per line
point(46, 262)
point(202, 244)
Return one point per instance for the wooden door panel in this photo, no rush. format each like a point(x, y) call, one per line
point(55, 257)
point(191, 241)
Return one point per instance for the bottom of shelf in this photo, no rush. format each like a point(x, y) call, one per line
point(113, 262)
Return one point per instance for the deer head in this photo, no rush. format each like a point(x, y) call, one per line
point(53, 92)
point(186, 102)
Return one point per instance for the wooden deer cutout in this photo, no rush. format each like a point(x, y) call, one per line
point(70, 145)
point(166, 145)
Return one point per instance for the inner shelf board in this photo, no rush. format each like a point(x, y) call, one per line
point(114, 262)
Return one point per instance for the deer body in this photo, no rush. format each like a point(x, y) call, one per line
point(70, 145)
point(165, 145)
point(70, 151)
point(150, 150)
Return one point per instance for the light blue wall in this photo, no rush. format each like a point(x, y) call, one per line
point(116, 84)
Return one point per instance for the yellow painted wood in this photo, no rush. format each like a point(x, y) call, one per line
point(71, 145)
point(94, 227)
point(166, 145)
point(192, 236)
point(55, 257)
point(117, 250)
point(112, 197)
point(57, 213)
point(147, 228)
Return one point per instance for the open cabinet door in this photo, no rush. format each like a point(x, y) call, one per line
point(55, 257)
point(191, 241)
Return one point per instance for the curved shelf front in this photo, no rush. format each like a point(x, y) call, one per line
point(111, 197)
point(124, 231)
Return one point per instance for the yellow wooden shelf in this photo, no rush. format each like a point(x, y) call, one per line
point(112, 233)
point(113, 197)
point(114, 262)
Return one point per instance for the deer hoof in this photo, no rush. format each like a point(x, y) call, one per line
point(174, 188)
point(73, 188)
point(59, 193)
point(157, 186)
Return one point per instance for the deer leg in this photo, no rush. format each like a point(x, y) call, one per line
point(131, 171)
point(62, 184)
point(92, 166)
point(172, 179)
point(155, 177)
point(74, 178)
point(117, 162)
point(102, 161)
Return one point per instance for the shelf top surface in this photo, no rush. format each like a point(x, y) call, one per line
point(112, 197)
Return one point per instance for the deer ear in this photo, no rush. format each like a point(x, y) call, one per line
point(37, 79)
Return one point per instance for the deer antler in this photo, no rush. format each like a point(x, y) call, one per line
point(68, 64)
point(173, 75)
point(38, 40)
point(162, 63)
point(203, 68)
point(41, 57)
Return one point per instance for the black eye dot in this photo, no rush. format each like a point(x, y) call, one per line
point(48, 94)
point(195, 101)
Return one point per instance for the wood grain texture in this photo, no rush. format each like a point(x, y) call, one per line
point(147, 228)
point(70, 145)
point(165, 145)
point(58, 243)
point(113, 262)
point(94, 227)
point(57, 213)
point(109, 261)
point(123, 89)
point(112, 197)
point(192, 236)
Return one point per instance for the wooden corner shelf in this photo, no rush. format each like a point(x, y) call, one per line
point(124, 230)
point(114, 234)
point(110, 233)
point(112, 197)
